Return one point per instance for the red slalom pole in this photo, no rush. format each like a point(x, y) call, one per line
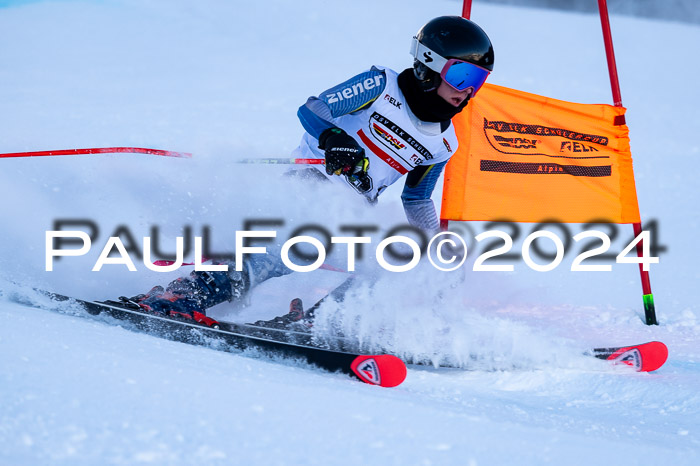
point(466, 13)
point(98, 150)
point(467, 9)
point(648, 297)
point(610, 52)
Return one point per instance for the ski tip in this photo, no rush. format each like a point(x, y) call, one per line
point(654, 355)
point(646, 357)
point(384, 370)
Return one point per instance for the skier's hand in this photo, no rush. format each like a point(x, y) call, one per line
point(343, 154)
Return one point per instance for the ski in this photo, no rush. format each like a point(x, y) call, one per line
point(376, 369)
point(646, 357)
point(290, 336)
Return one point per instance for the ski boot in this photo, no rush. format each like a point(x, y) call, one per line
point(296, 319)
point(188, 297)
point(166, 303)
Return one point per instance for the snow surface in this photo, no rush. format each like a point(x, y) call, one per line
point(223, 80)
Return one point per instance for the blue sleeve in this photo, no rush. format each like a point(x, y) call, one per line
point(311, 120)
point(419, 208)
point(352, 95)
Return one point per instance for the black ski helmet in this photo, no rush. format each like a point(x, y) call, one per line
point(452, 37)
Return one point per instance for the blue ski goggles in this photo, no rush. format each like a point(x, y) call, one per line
point(458, 74)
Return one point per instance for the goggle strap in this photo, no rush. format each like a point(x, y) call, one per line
point(428, 57)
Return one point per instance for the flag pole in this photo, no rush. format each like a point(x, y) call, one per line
point(648, 297)
point(467, 9)
point(466, 13)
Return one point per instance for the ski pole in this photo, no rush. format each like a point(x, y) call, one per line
point(162, 263)
point(98, 150)
point(284, 161)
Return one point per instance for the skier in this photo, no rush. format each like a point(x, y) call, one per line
point(372, 130)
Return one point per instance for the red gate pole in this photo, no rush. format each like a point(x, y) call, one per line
point(466, 13)
point(467, 9)
point(648, 297)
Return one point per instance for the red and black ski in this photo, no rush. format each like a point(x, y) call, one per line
point(646, 357)
point(383, 370)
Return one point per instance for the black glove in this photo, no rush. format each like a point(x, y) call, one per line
point(343, 154)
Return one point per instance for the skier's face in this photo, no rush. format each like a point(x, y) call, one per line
point(451, 95)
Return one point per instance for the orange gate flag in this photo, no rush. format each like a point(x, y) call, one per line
point(527, 158)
